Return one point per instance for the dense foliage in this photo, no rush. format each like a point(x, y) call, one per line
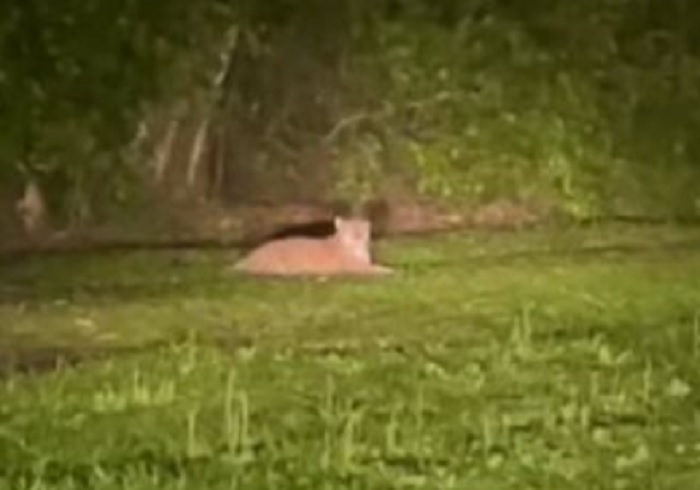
point(76, 79)
point(589, 105)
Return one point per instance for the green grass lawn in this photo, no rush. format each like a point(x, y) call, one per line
point(540, 360)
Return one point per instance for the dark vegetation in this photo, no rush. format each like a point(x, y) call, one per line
point(589, 108)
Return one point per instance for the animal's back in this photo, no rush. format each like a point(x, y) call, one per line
point(345, 252)
point(297, 256)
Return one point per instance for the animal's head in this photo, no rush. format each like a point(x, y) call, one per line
point(355, 236)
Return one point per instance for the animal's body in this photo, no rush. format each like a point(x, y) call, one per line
point(346, 252)
point(32, 211)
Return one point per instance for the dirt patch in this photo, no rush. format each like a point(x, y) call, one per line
point(200, 225)
point(507, 214)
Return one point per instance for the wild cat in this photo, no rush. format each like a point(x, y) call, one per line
point(346, 252)
point(32, 211)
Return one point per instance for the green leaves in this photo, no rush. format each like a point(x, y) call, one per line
point(76, 76)
point(574, 103)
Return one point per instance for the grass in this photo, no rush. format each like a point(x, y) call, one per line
point(531, 361)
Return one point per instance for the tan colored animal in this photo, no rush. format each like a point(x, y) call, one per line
point(346, 252)
point(32, 211)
